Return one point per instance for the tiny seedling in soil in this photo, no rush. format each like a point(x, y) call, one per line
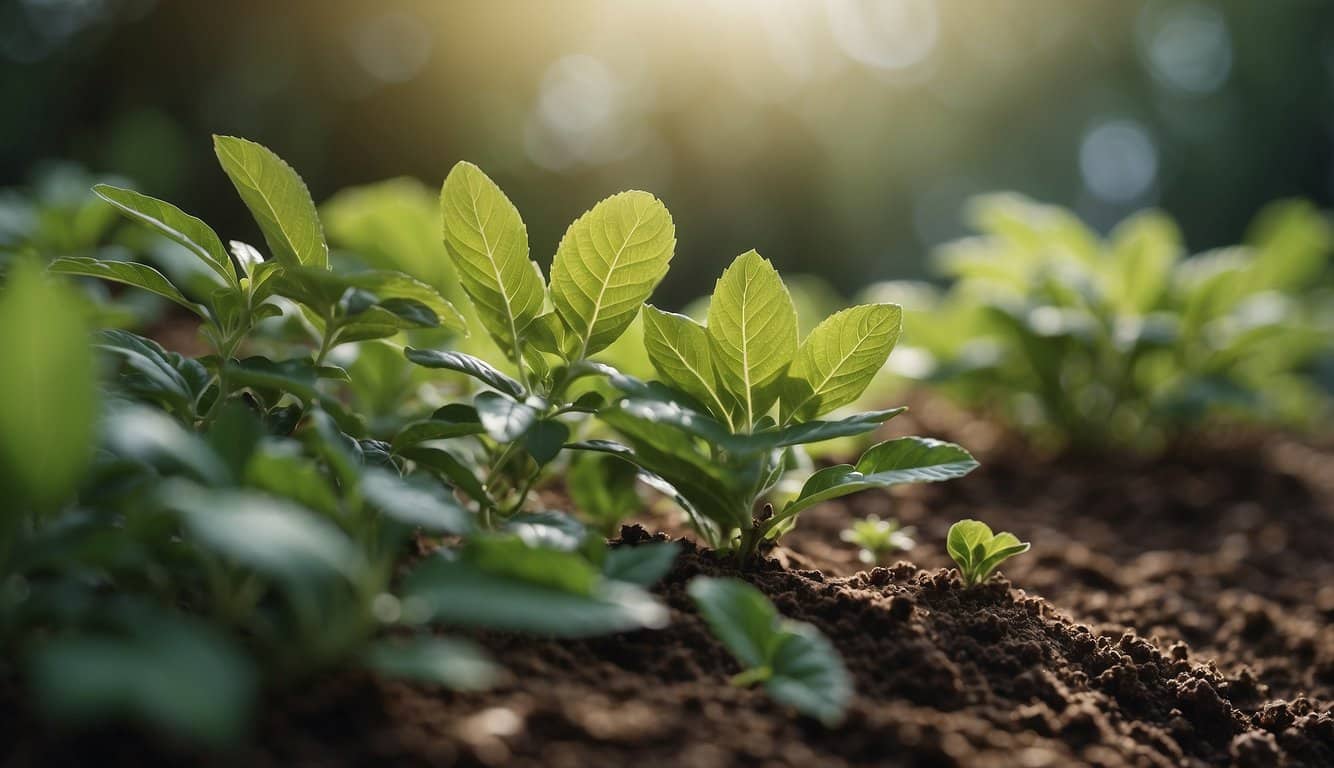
point(797, 665)
point(877, 539)
point(977, 551)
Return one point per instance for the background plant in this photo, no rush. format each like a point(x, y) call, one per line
point(1125, 340)
point(876, 539)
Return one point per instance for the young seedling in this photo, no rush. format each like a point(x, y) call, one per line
point(877, 538)
point(795, 662)
point(738, 396)
point(978, 552)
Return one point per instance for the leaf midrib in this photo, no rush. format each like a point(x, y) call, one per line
point(606, 281)
point(491, 261)
point(273, 212)
point(833, 371)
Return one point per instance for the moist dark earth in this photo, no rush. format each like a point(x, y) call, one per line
point(1173, 612)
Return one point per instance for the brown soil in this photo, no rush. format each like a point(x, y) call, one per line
point(1185, 619)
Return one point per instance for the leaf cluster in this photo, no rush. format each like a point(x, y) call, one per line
point(1127, 339)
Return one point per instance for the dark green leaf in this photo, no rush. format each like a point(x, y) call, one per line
point(415, 502)
point(472, 366)
point(545, 439)
point(504, 420)
point(168, 672)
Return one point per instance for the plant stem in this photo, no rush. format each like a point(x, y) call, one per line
point(749, 677)
point(327, 341)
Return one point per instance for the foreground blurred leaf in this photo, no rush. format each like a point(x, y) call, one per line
point(165, 671)
point(797, 664)
point(507, 586)
point(456, 664)
point(48, 393)
point(273, 536)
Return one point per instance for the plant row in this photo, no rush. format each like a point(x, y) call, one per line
point(335, 480)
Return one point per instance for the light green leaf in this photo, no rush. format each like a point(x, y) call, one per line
point(977, 551)
point(608, 264)
point(963, 537)
point(177, 225)
point(678, 347)
point(488, 243)
point(277, 198)
point(752, 330)
point(475, 367)
point(126, 273)
point(48, 393)
point(838, 359)
point(1144, 249)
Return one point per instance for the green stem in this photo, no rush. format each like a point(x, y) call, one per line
point(750, 542)
point(749, 677)
point(224, 356)
point(327, 341)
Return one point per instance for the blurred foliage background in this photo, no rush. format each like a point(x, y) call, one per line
point(839, 138)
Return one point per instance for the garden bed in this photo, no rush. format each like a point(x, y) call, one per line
point(1183, 619)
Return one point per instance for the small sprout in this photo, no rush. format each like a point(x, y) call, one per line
point(977, 551)
point(878, 538)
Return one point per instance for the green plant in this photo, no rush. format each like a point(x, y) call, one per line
point(795, 662)
point(978, 552)
point(876, 538)
point(226, 523)
point(705, 434)
point(606, 266)
point(1124, 340)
